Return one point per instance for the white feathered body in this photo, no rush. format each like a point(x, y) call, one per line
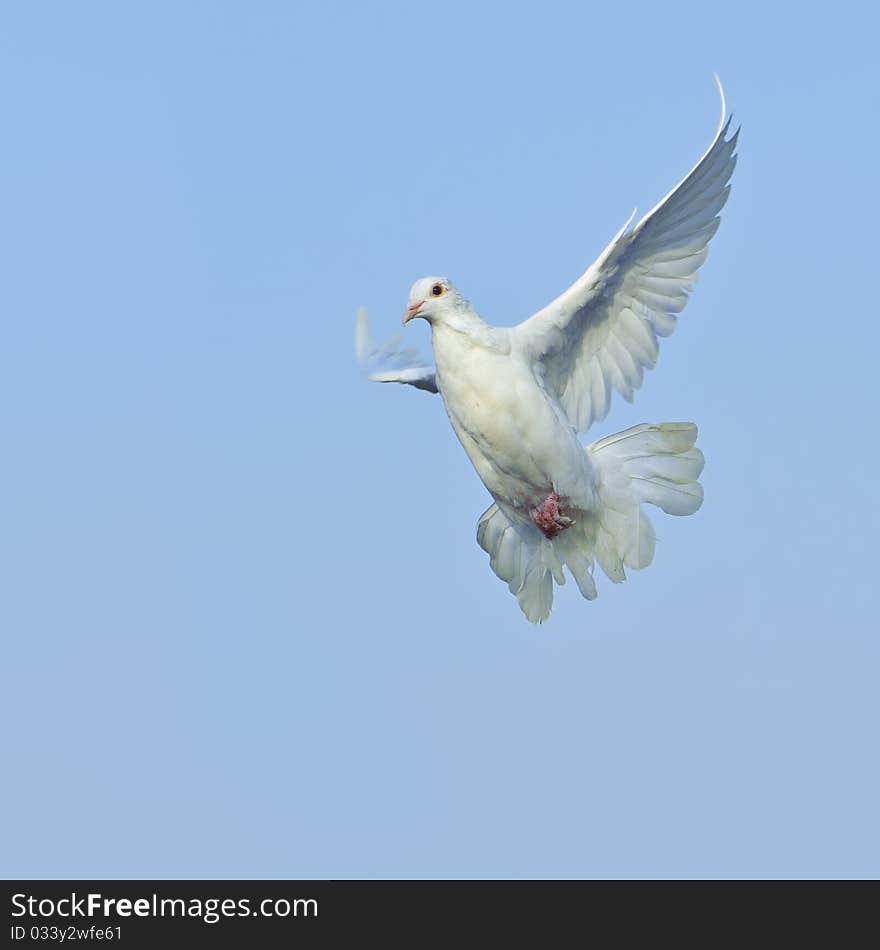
point(515, 433)
point(520, 441)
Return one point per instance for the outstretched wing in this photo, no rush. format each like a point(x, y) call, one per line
point(602, 332)
point(391, 362)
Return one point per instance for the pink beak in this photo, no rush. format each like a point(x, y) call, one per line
point(412, 311)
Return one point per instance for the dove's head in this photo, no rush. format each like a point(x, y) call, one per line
point(432, 298)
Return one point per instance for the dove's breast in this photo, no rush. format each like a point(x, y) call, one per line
point(515, 434)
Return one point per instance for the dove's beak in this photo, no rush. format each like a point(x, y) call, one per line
point(412, 311)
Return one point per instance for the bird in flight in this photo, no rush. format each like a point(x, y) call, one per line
point(518, 397)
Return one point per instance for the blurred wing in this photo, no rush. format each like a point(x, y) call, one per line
point(391, 362)
point(602, 332)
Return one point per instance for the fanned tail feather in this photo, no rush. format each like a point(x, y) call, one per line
point(647, 464)
point(651, 464)
point(529, 563)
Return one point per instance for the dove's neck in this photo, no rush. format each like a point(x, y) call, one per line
point(467, 321)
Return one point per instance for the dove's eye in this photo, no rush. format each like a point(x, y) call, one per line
point(437, 290)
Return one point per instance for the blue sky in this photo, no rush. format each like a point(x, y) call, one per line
point(246, 627)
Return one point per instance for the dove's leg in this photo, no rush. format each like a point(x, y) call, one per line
point(549, 517)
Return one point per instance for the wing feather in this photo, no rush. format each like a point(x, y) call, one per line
point(391, 362)
point(601, 333)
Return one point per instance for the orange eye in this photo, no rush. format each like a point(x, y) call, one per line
point(437, 290)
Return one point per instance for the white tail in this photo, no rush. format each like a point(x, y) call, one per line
point(654, 464)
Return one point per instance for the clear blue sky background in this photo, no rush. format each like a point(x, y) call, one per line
point(246, 627)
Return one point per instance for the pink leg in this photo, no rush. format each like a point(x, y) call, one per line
point(549, 517)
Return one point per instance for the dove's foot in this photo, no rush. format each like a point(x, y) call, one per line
point(549, 518)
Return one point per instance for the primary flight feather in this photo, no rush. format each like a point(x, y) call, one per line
point(518, 397)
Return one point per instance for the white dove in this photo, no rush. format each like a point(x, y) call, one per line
point(518, 397)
